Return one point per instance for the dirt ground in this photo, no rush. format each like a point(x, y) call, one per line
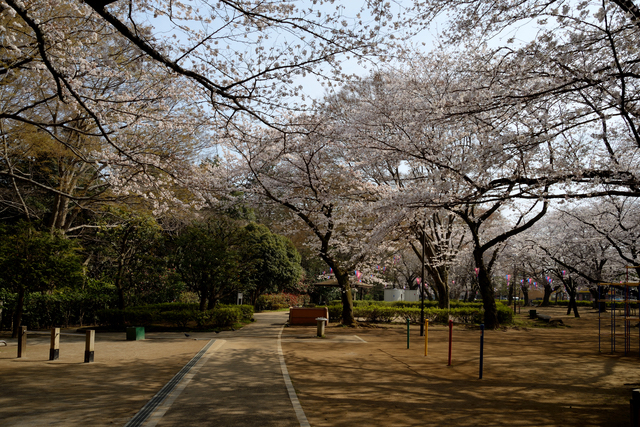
point(533, 376)
point(67, 392)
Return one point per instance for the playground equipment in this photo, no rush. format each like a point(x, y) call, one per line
point(621, 307)
point(54, 351)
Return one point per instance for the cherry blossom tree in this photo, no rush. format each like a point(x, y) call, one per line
point(471, 166)
point(86, 118)
point(309, 175)
point(568, 72)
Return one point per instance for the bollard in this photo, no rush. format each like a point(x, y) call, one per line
point(22, 341)
point(321, 322)
point(89, 344)
point(408, 323)
point(54, 351)
point(481, 347)
point(426, 336)
point(635, 408)
point(450, 338)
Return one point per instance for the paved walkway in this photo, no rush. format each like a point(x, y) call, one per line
point(237, 381)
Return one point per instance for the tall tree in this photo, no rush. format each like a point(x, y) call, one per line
point(36, 261)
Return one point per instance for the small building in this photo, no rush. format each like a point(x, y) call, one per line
point(412, 295)
point(584, 296)
point(394, 295)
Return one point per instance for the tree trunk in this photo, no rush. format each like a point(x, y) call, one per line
point(525, 295)
point(17, 318)
point(573, 304)
point(441, 287)
point(489, 303)
point(487, 293)
point(348, 318)
point(511, 292)
point(547, 295)
point(212, 300)
point(204, 296)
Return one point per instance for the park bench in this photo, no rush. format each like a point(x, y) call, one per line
point(307, 316)
point(3, 342)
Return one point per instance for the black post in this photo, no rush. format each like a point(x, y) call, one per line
point(423, 288)
point(481, 347)
point(635, 408)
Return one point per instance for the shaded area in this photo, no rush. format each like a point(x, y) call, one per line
point(69, 392)
point(538, 376)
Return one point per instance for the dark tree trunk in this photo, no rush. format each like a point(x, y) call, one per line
point(204, 296)
point(525, 295)
point(573, 304)
point(212, 300)
point(547, 295)
point(17, 317)
point(511, 292)
point(347, 298)
point(487, 293)
point(441, 287)
point(489, 303)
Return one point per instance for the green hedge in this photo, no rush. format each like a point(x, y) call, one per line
point(281, 300)
point(386, 312)
point(59, 308)
point(410, 304)
point(177, 314)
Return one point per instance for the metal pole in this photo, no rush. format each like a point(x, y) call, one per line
point(423, 288)
point(450, 339)
point(481, 347)
point(426, 336)
point(22, 341)
point(408, 323)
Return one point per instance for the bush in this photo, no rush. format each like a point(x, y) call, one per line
point(469, 313)
point(225, 316)
point(505, 315)
point(179, 318)
point(178, 314)
point(281, 300)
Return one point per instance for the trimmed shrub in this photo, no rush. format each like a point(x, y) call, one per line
point(379, 312)
point(225, 316)
point(281, 300)
point(181, 316)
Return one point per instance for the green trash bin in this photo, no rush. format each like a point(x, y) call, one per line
point(532, 314)
point(135, 333)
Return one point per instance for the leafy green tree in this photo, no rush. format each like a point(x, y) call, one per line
point(270, 261)
point(36, 261)
point(206, 259)
point(130, 253)
point(219, 257)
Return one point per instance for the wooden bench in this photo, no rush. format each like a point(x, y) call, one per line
point(307, 316)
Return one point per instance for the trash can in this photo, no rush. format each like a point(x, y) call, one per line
point(532, 314)
point(135, 333)
point(321, 322)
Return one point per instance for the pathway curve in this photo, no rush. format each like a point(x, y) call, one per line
point(238, 381)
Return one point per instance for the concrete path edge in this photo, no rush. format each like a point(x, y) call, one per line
point(302, 418)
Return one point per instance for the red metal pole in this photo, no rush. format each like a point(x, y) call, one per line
point(450, 338)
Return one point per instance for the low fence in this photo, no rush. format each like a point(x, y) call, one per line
point(54, 351)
